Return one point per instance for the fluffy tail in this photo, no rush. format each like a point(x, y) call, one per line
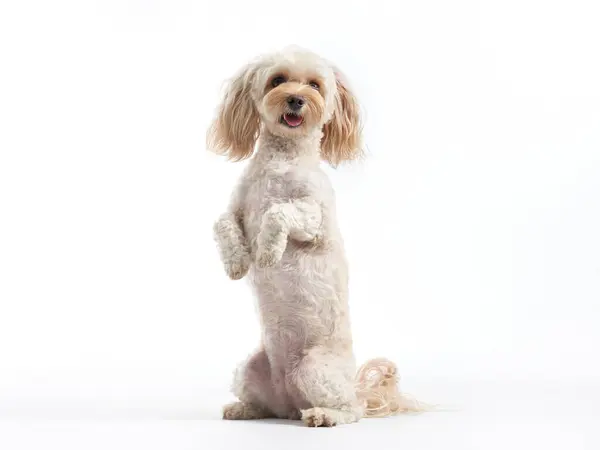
point(377, 388)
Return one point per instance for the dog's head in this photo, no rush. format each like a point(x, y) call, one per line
point(293, 93)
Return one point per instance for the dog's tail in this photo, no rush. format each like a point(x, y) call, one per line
point(377, 388)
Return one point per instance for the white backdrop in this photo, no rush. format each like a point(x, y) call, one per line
point(483, 134)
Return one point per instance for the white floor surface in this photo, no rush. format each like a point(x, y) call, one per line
point(481, 415)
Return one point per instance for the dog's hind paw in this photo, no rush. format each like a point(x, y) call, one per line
point(318, 417)
point(327, 417)
point(244, 411)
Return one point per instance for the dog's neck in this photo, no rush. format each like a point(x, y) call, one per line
point(304, 149)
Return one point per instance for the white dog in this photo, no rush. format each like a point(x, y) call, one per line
point(281, 230)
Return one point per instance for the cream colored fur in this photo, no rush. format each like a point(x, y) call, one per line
point(280, 230)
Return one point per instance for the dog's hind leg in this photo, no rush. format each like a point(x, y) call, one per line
point(252, 385)
point(245, 411)
point(324, 380)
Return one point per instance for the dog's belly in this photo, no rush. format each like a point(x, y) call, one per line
point(287, 333)
point(301, 303)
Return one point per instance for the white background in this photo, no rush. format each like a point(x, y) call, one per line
point(483, 131)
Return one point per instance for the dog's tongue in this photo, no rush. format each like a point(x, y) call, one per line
point(292, 120)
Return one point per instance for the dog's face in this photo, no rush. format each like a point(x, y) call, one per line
point(293, 94)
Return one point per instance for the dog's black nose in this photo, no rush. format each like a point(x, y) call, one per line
point(295, 102)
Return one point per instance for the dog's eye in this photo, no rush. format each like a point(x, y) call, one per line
point(314, 85)
point(277, 81)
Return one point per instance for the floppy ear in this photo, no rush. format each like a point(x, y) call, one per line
point(342, 140)
point(235, 129)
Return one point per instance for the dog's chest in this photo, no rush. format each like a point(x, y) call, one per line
point(276, 183)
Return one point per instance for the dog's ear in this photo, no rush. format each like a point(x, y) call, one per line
point(342, 140)
point(235, 129)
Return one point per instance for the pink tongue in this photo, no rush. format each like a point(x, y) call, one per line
point(291, 120)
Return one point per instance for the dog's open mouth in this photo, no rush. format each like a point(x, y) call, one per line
point(292, 120)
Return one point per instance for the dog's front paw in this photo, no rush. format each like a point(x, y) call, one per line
point(272, 242)
point(268, 257)
point(237, 266)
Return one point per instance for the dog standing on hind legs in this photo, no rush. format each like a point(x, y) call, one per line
point(280, 229)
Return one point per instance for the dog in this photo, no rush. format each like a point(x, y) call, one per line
point(290, 110)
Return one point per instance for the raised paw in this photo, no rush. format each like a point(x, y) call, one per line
point(268, 257)
point(318, 417)
point(237, 267)
point(271, 241)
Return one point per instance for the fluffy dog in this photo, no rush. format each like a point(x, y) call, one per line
point(281, 230)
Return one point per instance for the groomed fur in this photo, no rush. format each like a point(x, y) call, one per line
point(377, 389)
point(235, 129)
point(280, 229)
point(342, 134)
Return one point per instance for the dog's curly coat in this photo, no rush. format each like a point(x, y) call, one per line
point(281, 230)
